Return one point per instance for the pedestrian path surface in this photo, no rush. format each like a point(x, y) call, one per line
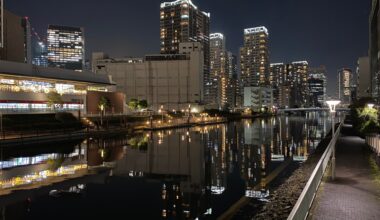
point(354, 194)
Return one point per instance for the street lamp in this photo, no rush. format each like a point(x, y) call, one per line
point(188, 116)
point(101, 114)
point(370, 105)
point(162, 113)
point(332, 106)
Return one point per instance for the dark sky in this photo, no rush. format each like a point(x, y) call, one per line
point(324, 32)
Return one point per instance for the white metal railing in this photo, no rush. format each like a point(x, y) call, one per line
point(373, 140)
point(304, 202)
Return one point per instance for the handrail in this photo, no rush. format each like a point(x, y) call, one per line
point(301, 208)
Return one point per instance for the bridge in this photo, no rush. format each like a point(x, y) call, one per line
point(289, 110)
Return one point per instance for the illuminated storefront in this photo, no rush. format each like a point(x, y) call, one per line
point(25, 87)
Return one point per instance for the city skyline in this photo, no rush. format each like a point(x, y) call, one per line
point(141, 33)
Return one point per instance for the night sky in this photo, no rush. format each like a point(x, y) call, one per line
point(324, 32)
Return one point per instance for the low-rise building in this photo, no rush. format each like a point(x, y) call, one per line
point(258, 98)
point(172, 81)
point(25, 88)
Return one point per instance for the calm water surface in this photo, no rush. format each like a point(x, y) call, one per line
point(175, 174)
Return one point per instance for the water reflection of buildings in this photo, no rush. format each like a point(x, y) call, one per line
point(191, 166)
point(179, 160)
point(268, 143)
point(48, 168)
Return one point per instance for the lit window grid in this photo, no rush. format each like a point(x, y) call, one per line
point(65, 47)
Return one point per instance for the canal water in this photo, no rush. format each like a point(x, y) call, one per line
point(174, 174)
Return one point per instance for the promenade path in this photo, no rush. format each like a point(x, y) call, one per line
point(355, 193)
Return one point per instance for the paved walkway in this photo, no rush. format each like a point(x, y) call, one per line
point(354, 194)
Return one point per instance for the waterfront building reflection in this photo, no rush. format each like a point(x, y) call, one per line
point(195, 172)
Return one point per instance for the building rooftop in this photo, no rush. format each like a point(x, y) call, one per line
point(216, 36)
point(255, 30)
point(29, 70)
point(179, 2)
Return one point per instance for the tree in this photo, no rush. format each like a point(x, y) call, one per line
point(142, 104)
point(368, 120)
point(104, 103)
point(54, 99)
point(133, 104)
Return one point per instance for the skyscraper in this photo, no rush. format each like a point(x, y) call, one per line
point(181, 21)
point(363, 77)
point(290, 82)
point(217, 69)
point(317, 86)
point(345, 80)
point(228, 83)
point(277, 73)
point(66, 47)
point(1, 23)
point(254, 57)
point(299, 72)
point(374, 48)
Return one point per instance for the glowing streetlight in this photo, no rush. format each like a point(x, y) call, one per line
point(332, 106)
point(370, 105)
point(162, 112)
point(101, 114)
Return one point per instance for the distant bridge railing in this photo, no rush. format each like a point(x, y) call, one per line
point(310, 109)
point(301, 209)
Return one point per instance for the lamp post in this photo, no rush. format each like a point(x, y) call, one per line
point(162, 113)
point(332, 106)
point(188, 116)
point(101, 114)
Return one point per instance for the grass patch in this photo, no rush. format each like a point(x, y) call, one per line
point(375, 170)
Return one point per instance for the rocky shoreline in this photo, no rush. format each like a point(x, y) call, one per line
point(285, 196)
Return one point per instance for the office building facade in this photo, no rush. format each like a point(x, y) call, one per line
point(66, 47)
point(181, 21)
point(254, 57)
point(170, 80)
point(363, 75)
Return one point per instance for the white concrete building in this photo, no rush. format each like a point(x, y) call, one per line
point(170, 80)
point(258, 97)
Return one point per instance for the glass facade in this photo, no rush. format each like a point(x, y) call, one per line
point(65, 47)
point(31, 94)
point(39, 86)
point(39, 52)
